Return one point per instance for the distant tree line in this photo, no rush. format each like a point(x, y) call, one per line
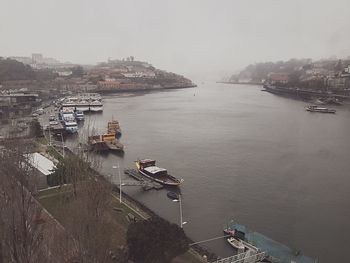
point(13, 70)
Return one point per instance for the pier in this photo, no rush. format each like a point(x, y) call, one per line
point(146, 183)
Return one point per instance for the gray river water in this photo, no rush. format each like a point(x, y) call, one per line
point(246, 155)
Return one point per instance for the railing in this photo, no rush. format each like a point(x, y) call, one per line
point(246, 257)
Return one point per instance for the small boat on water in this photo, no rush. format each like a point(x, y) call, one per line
point(96, 106)
point(79, 115)
point(173, 195)
point(149, 169)
point(237, 244)
point(314, 108)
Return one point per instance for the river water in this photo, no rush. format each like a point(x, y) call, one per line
point(244, 154)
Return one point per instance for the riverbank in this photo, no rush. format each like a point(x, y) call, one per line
point(196, 253)
point(303, 93)
point(142, 89)
point(240, 83)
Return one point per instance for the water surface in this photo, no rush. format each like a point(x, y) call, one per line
point(246, 155)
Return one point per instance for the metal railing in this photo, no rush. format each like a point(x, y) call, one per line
point(246, 257)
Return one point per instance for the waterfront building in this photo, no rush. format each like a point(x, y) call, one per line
point(43, 166)
point(12, 105)
point(278, 78)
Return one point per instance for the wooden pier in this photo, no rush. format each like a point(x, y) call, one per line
point(146, 183)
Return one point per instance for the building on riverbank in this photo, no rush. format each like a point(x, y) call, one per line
point(17, 104)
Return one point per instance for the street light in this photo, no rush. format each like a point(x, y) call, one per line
point(49, 134)
point(120, 182)
point(180, 204)
point(62, 144)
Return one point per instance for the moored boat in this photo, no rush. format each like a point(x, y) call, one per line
point(314, 108)
point(105, 142)
point(79, 115)
point(173, 195)
point(71, 126)
point(237, 244)
point(148, 168)
point(114, 127)
point(82, 105)
point(255, 243)
point(96, 106)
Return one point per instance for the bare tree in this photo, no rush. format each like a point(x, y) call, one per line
point(22, 229)
point(87, 217)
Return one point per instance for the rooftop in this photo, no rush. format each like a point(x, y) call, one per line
point(154, 169)
point(40, 162)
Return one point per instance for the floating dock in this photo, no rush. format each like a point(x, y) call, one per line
point(274, 251)
point(146, 183)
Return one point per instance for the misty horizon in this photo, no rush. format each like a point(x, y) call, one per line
point(190, 38)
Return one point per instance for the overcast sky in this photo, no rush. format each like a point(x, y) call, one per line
point(184, 36)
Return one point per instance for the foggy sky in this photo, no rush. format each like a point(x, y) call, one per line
point(184, 36)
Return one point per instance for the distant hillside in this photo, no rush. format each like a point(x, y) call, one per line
point(259, 72)
point(300, 69)
point(13, 70)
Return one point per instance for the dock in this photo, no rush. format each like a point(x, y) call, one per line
point(146, 183)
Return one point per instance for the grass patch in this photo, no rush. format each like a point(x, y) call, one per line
point(120, 213)
point(188, 257)
point(54, 200)
point(42, 140)
point(54, 153)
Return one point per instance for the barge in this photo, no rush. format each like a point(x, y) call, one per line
point(314, 108)
point(148, 168)
point(105, 142)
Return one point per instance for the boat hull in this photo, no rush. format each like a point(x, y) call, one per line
point(82, 108)
point(96, 108)
point(321, 110)
point(157, 180)
point(237, 244)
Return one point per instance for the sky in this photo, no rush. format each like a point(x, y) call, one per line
point(190, 37)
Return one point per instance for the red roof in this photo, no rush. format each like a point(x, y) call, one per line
point(278, 76)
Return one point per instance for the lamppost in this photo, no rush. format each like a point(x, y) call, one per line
point(120, 182)
point(62, 144)
point(49, 134)
point(180, 204)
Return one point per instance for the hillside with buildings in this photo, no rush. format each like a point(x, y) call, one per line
point(25, 82)
point(48, 74)
point(329, 75)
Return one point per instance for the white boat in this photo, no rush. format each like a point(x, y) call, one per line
point(148, 168)
point(96, 105)
point(79, 115)
point(67, 114)
point(82, 105)
point(237, 244)
point(71, 126)
point(84, 102)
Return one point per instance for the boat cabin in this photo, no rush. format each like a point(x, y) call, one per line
point(156, 171)
point(146, 163)
point(113, 125)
